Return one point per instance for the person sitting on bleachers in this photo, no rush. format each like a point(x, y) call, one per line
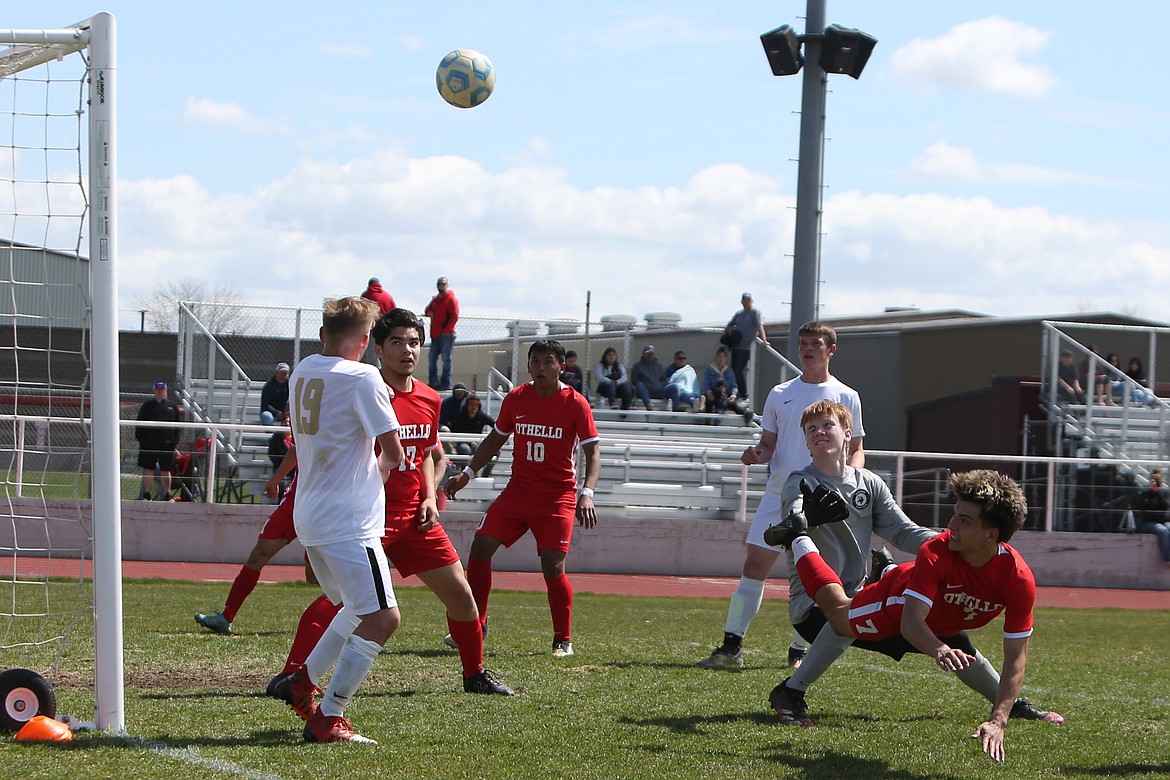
point(720, 392)
point(1151, 509)
point(1068, 384)
point(572, 375)
point(1140, 395)
point(472, 419)
point(612, 380)
point(648, 377)
point(682, 373)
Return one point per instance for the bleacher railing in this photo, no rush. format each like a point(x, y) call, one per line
point(1061, 491)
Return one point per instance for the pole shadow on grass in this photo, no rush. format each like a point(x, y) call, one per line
point(844, 766)
point(1121, 770)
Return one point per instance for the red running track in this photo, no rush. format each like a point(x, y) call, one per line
point(616, 584)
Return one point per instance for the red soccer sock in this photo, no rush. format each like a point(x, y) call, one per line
point(479, 577)
point(242, 587)
point(468, 634)
point(815, 573)
point(560, 604)
point(314, 621)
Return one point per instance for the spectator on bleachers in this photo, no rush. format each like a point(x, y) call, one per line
point(451, 405)
point(443, 312)
point(1141, 394)
point(1151, 509)
point(279, 444)
point(1115, 383)
point(1068, 385)
point(274, 395)
point(472, 419)
point(612, 380)
point(573, 375)
point(748, 322)
point(648, 377)
point(1093, 370)
point(682, 373)
point(720, 392)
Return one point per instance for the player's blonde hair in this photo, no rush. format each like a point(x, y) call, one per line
point(825, 408)
point(348, 317)
point(1001, 501)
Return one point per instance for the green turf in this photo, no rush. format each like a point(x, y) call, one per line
point(629, 704)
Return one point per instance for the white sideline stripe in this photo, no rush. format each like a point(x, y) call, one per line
point(191, 756)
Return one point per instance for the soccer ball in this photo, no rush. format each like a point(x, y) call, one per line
point(465, 78)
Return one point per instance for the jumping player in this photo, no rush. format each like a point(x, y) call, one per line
point(549, 420)
point(961, 580)
point(340, 408)
point(415, 542)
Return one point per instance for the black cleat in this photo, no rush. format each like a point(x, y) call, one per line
point(785, 532)
point(788, 704)
point(881, 560)
point(483, 682)
point(1023, 710)
point(796, 656)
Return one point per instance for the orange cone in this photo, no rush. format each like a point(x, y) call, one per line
point(44, 729)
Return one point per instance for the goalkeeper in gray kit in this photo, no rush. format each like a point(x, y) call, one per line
point(843, 507)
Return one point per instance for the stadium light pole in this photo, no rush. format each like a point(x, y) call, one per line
point(832, 49)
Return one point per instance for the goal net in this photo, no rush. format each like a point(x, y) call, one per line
point(60, 567)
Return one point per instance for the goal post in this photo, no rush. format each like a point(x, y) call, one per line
point(94, 41)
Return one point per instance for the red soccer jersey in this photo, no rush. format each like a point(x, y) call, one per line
point(547, 432)
point(418, 420)
point(962, 597)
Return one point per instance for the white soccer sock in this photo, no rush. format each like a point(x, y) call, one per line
point(821, 654)
point(745, 605)
point(981, 677)
point(357, 657)
point(328, 648)
point(802, 546)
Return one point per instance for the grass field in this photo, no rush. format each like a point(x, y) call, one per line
point(629, 704)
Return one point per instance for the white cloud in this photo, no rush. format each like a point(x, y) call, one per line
point(221, 115)
point(346, 50)
point(941, 161)
point(524, 242)
point(413, 43)
point(981, 56)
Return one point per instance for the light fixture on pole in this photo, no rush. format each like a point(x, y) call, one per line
point(832, 49)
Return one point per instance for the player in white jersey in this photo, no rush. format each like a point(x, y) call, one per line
point(783, 448)
point(340, 407)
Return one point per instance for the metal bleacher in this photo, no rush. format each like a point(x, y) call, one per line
point(679, 465)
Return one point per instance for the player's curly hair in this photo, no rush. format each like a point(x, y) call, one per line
point(397, 318)
point(1002, 503)
point(344, 317)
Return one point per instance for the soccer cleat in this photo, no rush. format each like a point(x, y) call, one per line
point(881, 560)
point(298, 692)
point(788, 704)
point(270, 691)
point(451, 643)
point(785, 532)
point(215, 621)
point(562, 648)
point(483, 682)
point(796, 656)
point(1024, 710)
point(323, 728)
point(723, 657)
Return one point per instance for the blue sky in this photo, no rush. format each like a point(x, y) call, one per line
point(1000, 157)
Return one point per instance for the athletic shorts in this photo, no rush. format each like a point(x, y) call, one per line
point(895, 646)
point(354, 573)
point(412, 551)
point(769, 512)
point(549, 518)
point(165, 460)
point(280, 522)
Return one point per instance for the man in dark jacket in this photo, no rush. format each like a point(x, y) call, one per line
point(157, 446)
point(274, 396)
point(648, 377)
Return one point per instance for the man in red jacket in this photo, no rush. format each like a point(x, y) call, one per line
point(443, 311)
point(376, 293)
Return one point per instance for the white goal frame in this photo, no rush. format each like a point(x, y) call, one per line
point(25, 49)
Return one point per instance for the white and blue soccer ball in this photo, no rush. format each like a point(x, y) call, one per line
point(465, 78)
